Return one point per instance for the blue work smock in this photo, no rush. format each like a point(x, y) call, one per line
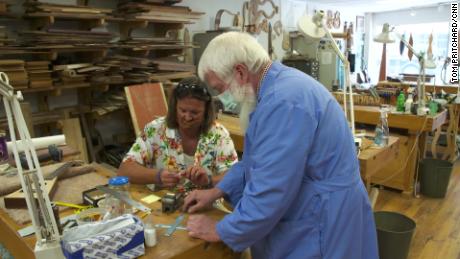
point(297, 192)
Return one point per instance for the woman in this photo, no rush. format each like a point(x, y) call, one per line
point(188, 142)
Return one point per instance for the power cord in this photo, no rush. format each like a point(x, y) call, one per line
point(408, 157)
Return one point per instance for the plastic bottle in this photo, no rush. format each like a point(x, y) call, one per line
point(115, 206)
point(382, 132)
point(408, 104)
point(400, 105)
point(150, 234)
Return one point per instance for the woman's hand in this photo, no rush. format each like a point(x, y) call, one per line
point(197, 175)
point(169, 179)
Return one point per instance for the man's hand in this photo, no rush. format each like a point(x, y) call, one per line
point(203, 227)
point(197, 175)
point(169, 179)
point(200, 199)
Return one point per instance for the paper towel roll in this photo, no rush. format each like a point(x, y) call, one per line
point(39, 143)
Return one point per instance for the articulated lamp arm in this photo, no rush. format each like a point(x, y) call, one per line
point(32, 182)
point(318, 20)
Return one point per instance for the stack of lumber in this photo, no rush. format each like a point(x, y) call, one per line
point(4, 37)
point(41, 9)
point(173, 66)
point(145, 43)
point(112, 100)
point(159, 2)
point(68, 74)
point(158, 13)
point(16, 72)
point(4, 8)
point(131, 69)
point(61, 36)
point(39, 74)
point(138, 70)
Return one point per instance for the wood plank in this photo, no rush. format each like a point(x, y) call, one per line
point(27, 113)
point(74, 138)
point(146, 102)
point(71, 66)
point(17, 199)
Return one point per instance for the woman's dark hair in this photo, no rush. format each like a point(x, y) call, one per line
point(191, 87)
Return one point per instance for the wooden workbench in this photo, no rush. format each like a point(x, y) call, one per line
point(451, 89)
point(179, 245)
point(371, 159)
point(412, 130)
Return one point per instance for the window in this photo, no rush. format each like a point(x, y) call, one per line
point(398, 63)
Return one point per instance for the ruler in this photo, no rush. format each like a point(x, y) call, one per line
point(124, 198)
point(174, 226)
point(168, 226)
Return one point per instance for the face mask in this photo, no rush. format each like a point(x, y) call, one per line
point(227, 100)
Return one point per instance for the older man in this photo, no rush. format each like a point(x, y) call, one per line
point(297, 192)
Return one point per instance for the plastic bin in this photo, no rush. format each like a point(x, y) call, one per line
point(394, 234)
point(434, 177)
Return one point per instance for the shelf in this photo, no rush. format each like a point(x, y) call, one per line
point(156, 47)
point(57, 89)
point(127, 27)
point(9, 16)
point(44, 20)
point(170, 76)
point(51, 52)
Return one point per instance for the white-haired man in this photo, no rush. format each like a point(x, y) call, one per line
point(297, 192)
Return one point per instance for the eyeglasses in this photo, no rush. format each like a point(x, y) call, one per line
point(191, 88)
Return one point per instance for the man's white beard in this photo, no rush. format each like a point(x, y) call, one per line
point(244, 94)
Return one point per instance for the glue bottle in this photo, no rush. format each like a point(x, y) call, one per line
point(382, 132)
point(150, 233)
point(408, 104)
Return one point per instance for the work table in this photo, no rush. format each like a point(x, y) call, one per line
point(179, 245)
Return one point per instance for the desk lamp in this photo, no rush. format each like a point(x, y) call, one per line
point(32, 182)
point(314, 28)
point(386, 37)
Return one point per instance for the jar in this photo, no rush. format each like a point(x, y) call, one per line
point(116, 207)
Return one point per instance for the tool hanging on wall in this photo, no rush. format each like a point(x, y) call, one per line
point(252, 14)
point(401, 44)
point(411, 43)
point(271, 52)
point(329, 19)
point(332, 19)
point(237, 19)
point(278, 28)
point(429, 51)
point(286, 43)
point(336, 22)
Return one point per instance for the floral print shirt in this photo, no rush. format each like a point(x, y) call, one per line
point(161, 147)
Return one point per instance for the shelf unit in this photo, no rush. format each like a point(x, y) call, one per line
point(167, 44)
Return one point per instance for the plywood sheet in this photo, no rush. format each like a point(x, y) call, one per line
point(146, 102)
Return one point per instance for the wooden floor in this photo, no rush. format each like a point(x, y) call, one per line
point(437, 235)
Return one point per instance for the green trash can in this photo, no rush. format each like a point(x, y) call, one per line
point(434, 177)
point(394, 234)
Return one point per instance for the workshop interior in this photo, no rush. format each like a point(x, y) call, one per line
point(88, 86)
